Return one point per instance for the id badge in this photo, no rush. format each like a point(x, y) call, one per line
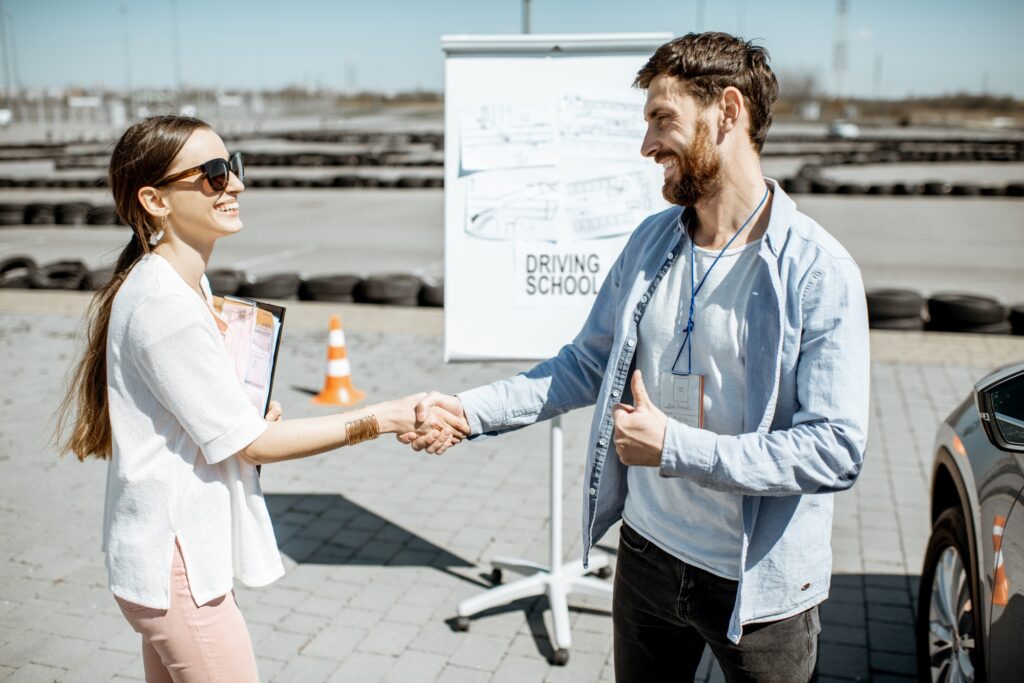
point(682, 398)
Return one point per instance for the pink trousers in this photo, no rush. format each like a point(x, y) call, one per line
point(191, 643)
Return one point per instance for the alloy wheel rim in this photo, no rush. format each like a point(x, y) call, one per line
point(950, 621)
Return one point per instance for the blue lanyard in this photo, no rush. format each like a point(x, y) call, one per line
point(695, 289)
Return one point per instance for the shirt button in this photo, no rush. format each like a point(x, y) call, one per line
point(644, 298)
point(593, 491)
point(671, 256)
point(616, 393)
point(630, 343)
point(602, 442)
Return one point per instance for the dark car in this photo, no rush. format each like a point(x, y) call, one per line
point(970, 620)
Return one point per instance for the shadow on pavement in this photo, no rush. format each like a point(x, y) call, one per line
point(317, 528)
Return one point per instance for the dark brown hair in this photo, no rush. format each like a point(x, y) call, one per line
point(708, 63)
point(141, 157)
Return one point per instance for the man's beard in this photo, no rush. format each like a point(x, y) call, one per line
point(698, 169)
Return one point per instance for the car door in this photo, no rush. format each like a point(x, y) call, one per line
point(1006, 633)
point(1001, 496)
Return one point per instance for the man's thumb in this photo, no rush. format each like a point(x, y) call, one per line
point(640, 397)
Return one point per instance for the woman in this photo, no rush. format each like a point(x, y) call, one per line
point(156, 393)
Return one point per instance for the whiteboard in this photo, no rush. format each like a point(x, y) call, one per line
point(544, 181)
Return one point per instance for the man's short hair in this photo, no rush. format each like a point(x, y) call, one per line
point(707, 63)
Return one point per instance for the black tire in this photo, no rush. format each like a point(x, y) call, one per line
point(948, 534)
point(17, 272)
point(71, 213)
point(432, 294)
point(39, 214)
point(339, 288)
point(824, 186)
point(224, 281)
point(936, 187)
point(398, 290)
point(880, 189)
point(410, 181)
point(1017, 319)
point(956, 311)
point(276, 286)
point(462, 624)
point(993, 190)
point(894, 303)
point(906, 189)
point(910, 323)
point(561, 657)
point(65, 274)
point(851, 188)
point(1015, 189)
point(12, 214)
point(966, 190)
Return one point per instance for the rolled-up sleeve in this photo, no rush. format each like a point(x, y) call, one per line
point(186, 366)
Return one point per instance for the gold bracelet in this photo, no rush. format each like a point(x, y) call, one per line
point(363, 429)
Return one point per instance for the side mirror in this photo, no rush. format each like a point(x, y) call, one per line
point(1000, 399)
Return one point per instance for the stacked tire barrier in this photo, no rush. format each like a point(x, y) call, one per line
point(398, 289)
point(905, 309)
point(60, 213)
point(810, 180)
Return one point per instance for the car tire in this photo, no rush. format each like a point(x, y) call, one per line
point(432, 293)
point(947, 562)
point(17, 272)
point(67, 274)
point(277, 286)
point(1017, 319)
point(396, 290)
point(894, 303)
point(956, 311)
point(337, 288)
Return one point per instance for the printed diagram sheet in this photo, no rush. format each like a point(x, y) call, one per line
point(513, 205)
point(609, 204)
point(604, 125)
point(570, 169)
point(496, 135)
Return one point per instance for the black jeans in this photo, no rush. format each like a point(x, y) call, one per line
point(664, 611)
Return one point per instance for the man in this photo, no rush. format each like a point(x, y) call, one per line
point(739, 327)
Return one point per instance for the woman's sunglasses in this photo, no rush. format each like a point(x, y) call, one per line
point(217, 171)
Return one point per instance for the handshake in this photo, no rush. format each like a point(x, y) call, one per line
point(433, 421)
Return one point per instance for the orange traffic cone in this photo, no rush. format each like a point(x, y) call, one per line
point(1000, 586)
point(338, 389)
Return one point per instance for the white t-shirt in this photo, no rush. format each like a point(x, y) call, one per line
point(178, 416)
point(694, 524)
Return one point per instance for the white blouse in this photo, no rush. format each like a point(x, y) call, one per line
point(178, 416)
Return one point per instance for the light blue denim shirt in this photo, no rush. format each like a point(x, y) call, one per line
point(805, 417)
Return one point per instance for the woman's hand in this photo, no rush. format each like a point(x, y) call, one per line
point(274, 412)
point(401, 417)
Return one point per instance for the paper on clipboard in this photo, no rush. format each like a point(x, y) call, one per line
point(252, 339)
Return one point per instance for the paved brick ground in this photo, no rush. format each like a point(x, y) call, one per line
point(381, 543)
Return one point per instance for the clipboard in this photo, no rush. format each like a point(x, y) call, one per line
point(253, 339)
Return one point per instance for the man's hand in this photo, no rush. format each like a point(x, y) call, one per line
point(440, 424)
point(640, 428)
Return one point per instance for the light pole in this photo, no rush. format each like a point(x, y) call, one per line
point(176, 48)
point(125, 35)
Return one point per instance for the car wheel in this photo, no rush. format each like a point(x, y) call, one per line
point(948, 625)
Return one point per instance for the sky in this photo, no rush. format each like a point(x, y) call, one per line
point(896, 48)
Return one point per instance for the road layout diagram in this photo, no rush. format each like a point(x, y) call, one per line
point(546, 171)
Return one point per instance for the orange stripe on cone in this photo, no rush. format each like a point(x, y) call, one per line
point(1001, 586)
point(338, 389)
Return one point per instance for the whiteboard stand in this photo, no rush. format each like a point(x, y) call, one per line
point(557, 580)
